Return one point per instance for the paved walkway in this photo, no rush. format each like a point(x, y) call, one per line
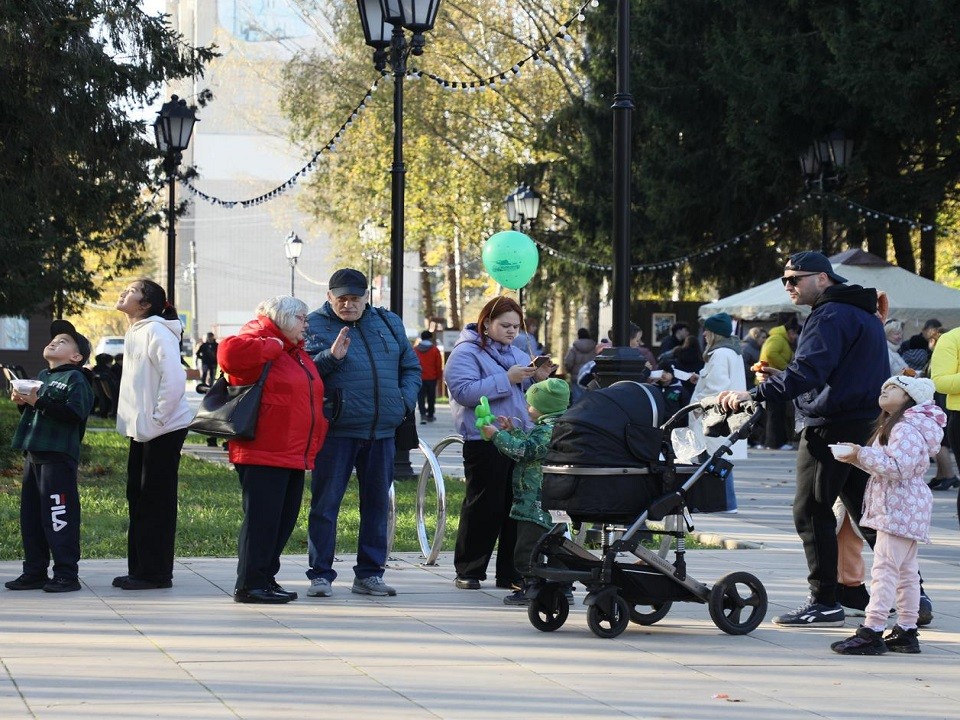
point(437, 652)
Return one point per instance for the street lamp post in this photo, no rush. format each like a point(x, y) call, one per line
point(292, 247)
point(622, 152)
point(172, 131)
point(383, 24)
point(822, 167)
point(523, 208)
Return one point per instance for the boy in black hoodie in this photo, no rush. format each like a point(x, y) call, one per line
point(52, 424)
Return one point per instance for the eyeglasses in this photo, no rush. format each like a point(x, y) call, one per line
point(301, 318)
point(794, 280)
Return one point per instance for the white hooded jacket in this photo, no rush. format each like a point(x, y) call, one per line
point(153, 398)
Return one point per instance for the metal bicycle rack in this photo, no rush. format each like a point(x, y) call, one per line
point(429, 549)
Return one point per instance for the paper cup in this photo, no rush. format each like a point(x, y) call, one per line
point(841, 451)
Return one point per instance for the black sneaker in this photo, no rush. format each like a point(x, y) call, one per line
point(864, 642)
point(62, 584)
point(518, 597)
point(902, 641)
point(27, 582)
point(812, 613)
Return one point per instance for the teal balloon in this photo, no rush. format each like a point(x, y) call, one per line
point(511, 258)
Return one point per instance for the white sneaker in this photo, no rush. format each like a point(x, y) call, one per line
point(320, 587)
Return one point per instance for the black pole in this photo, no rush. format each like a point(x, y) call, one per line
point(293, 268)
point(622, 114)
point(171, 231)
point(398, 61)
point(398, 172)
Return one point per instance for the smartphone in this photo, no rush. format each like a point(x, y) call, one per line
point(540, 360)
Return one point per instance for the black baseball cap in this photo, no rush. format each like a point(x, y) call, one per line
point(65, 327)
point(348, 282)
point(813, 262)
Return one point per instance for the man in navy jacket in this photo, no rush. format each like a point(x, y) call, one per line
point(834, 380)
point(371, 379)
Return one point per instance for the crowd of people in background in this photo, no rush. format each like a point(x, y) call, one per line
point(340, 381)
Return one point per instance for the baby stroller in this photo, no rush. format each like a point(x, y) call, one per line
point(611, 462)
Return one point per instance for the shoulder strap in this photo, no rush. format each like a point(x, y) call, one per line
point(386, 321)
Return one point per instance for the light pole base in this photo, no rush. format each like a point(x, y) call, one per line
point(402, 469)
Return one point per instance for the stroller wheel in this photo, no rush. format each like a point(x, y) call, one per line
point(609, 623)
point(649, 614)
point(738, 603)
point(548, 611)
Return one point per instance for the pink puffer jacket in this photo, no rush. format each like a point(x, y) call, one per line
point(897, 500)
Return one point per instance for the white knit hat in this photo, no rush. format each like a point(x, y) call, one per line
point(920, 389)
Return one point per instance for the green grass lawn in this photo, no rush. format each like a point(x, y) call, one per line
point(210, 510)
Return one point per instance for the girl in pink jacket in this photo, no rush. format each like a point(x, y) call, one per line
point(898, 505)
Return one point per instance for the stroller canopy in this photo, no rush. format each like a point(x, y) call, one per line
point(616, 426)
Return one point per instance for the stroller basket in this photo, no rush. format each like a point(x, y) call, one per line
point(619, 495)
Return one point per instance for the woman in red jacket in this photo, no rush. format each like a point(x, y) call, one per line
point(290, 430)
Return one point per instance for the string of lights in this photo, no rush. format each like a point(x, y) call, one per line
point(758, 229)
point(308, 168)
point(502, 77)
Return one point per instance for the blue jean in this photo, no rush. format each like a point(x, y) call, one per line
point(373, 460)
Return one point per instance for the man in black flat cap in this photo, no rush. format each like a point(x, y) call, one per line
point(371, 379)
point(834, 379)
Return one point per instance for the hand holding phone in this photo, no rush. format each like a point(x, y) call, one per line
point(539, 361)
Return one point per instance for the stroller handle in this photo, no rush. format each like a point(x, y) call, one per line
point(752, 407)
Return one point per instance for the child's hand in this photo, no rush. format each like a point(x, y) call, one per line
point(29, 398)
point(505, 422)
point(488, 431)
point(852, 450)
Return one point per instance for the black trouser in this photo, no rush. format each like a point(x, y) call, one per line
point(485, 515)
point(953, 437)
point(271, 504)
point(208, 373)
point(820, 480)
point(152, 478)
point(427, 399)
point(50, 518)
point(776, 423)
point(528, 534)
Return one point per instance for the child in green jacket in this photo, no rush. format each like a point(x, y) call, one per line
point(52, 423)
point(547, 401)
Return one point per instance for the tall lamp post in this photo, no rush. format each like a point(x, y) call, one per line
point(822, 167)
point(383, 24)
point(172, 131)
point(292, 247)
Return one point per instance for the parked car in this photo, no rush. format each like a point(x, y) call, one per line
point(110, 344)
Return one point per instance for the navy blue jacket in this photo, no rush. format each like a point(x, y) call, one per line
point(841, 360)
point(367, 393)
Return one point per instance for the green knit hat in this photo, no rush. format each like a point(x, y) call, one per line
point(549, 396)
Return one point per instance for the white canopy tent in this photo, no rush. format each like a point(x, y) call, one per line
point(913, 299)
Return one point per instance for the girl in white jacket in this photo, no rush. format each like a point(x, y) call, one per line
point(152, 411)
point(898, 505)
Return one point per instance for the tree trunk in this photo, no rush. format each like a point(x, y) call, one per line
point(928, 243)
point(902, 247)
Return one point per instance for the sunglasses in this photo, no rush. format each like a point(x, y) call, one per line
point(794, 280)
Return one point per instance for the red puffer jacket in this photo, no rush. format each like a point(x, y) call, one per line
point(291, 426)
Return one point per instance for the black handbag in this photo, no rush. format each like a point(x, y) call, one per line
point(230, 411)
